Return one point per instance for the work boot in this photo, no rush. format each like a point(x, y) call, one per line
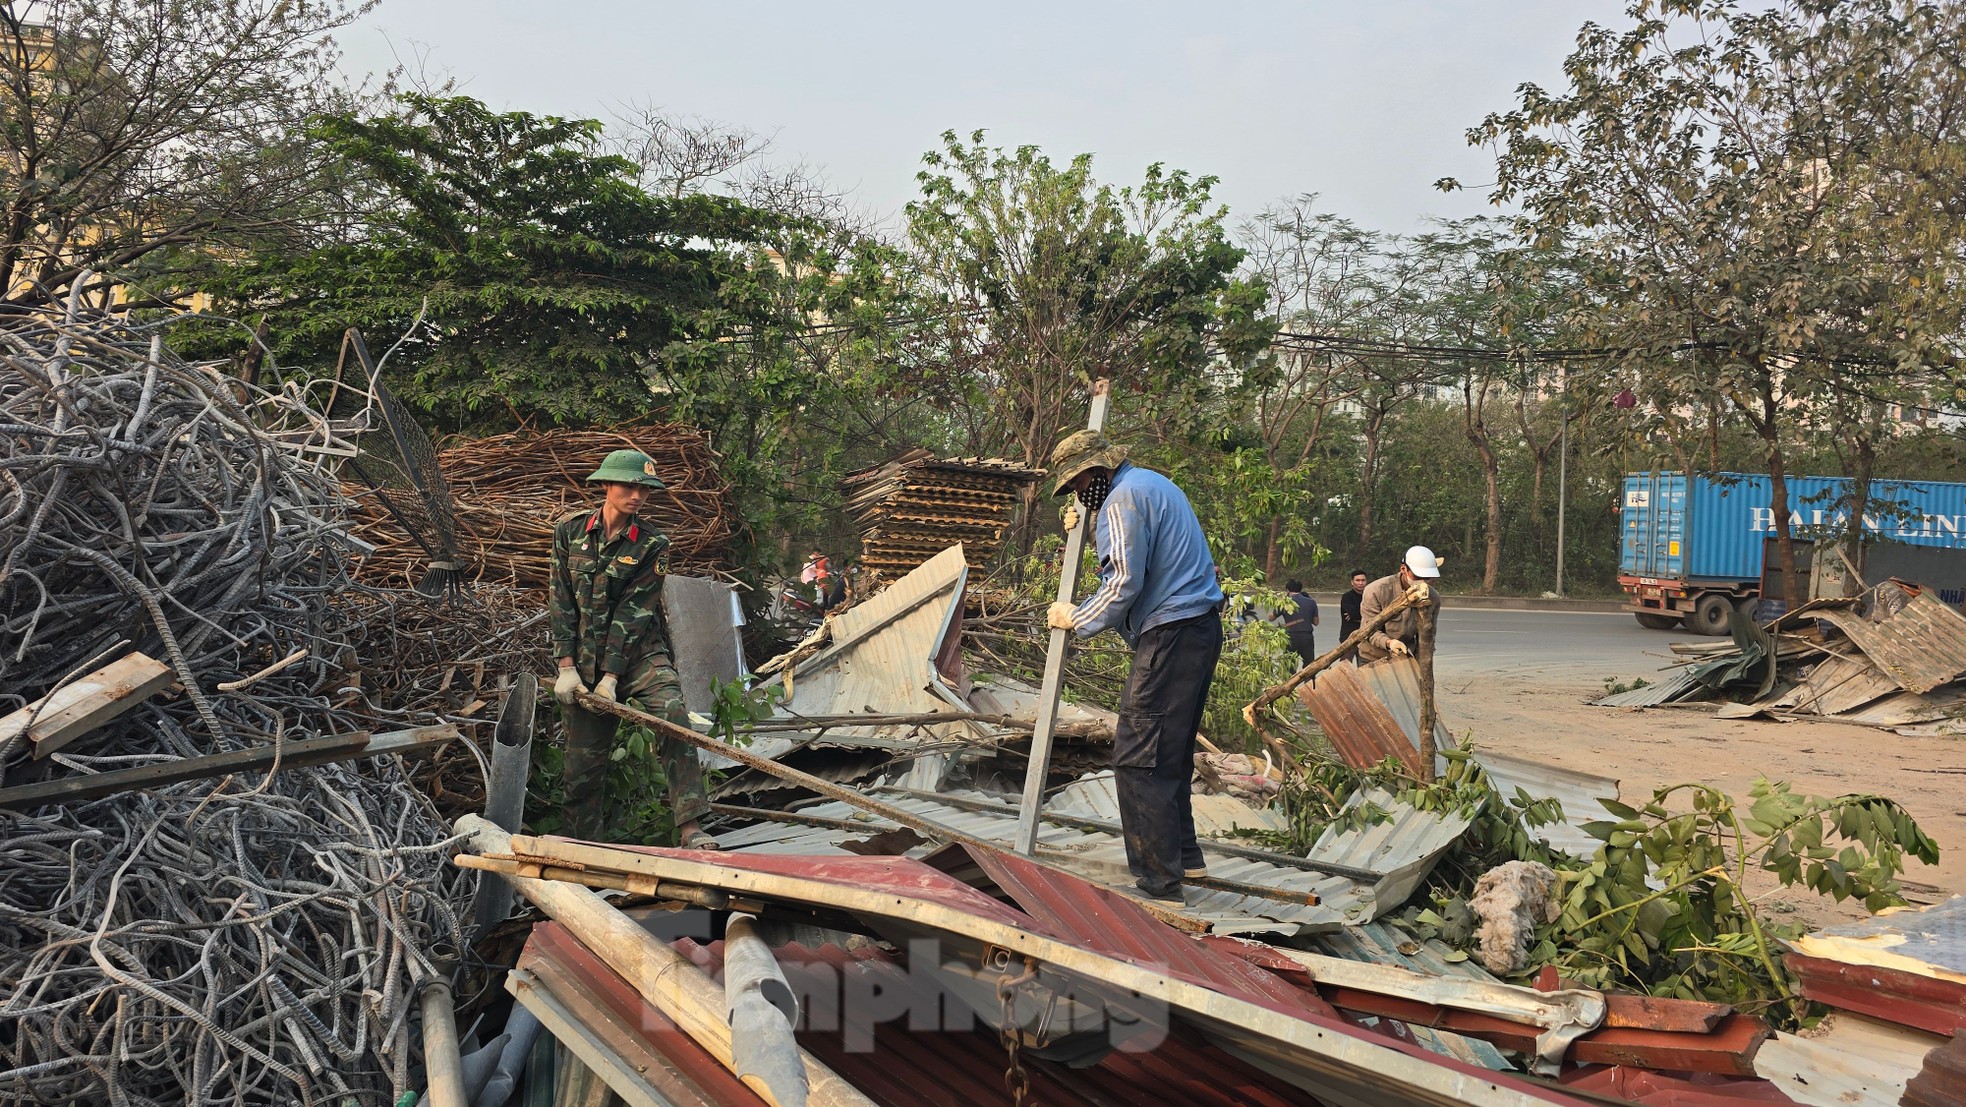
point(1170, 895)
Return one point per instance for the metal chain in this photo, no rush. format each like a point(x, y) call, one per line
point(1015, 1079)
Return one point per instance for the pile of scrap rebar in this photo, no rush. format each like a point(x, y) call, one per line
point(510, 490)
point(917, 505)
point(252, 938)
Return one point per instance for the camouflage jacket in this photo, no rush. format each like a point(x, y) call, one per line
point(607, 596)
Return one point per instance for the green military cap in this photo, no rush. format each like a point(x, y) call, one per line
point(627, 467)
point(1082, 450)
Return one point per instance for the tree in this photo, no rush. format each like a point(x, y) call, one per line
point(550, 281)
point(1036, 279)
point(1321, 273)
point(139, 132)
point(1751, 226)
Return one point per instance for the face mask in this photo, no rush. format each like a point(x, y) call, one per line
point(1095, 493)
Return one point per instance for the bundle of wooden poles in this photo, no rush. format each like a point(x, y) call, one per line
point(510, 489)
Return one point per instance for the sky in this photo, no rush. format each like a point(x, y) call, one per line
point(1364, 103)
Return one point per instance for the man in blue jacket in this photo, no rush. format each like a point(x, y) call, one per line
point(1157, 588)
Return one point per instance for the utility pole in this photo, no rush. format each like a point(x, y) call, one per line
point(1562, 478)
point(1054, 659)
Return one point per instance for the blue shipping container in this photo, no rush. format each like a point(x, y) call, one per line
point(1714, 528)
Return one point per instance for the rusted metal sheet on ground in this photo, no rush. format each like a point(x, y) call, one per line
point(1838, 684)
point(1921, 647)
point(1680, 684)
point(1907, 999)
point(1682, 1016)
point(1358, 722)
point(1942, 1081)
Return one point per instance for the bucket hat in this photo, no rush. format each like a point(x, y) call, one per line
point(1082, 450)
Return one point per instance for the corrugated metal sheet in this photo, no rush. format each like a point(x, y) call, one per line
point(1838, 684)
point(1096, 796)
point(1381, 700)
point(1920, 647)
point(1848, 1060)
point(1578, 792)
point(1942, 1082)
point(1404, 847)
point(963, 1067)
point(1672, 688)
point(1386, 944)
point(882, 658)
point(1357, 721)
point(1106, 922)
point(1715, 529)
point(1099, 856)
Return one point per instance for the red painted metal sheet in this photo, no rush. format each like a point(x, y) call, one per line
point(1360, 727)
point(1942, 1082)
point(1657, 1089)
point(904, 877)
point(550, 942)
point(1683, 1016)
point(1104, 921)
point(908, 1065)
point(1908, 999)
point(1728, 1050)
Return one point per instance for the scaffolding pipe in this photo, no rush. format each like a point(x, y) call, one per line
point(666, 979)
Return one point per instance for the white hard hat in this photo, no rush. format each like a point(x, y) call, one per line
point(1422, 562)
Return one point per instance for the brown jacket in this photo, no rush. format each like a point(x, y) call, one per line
point(1405, 626)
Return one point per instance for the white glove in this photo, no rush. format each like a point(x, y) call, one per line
point(567, 685)
point(1059, 616)
point(1070, 518)
point(604, 687)
point(1398, 649)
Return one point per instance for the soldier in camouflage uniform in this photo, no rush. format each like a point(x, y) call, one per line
point(610, 637)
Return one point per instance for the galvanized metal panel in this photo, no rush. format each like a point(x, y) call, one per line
point(1580, 794)
point(1404, 847)
point(1672, 688)
point(1849, 1060)
point(1096, 796)
point(705, 636)
point(1920, 647)
point(1098, 856)
point(1838, 684)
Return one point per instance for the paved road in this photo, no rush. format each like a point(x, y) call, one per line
point(1557, 647)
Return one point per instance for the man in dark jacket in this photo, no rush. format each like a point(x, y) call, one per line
point(609, 637)
point(1299, 623)
point(1349, 619)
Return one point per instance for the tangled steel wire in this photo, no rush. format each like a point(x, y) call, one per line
point(510, 489)
point(246, 941)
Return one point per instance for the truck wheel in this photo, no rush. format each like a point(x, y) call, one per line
point(1655, 622)
point(1712, 615)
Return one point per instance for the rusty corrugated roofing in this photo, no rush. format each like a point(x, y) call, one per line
point(1358, 723)
point(1920, 647)
point(1942, 1082)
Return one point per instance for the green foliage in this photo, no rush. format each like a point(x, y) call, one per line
point(735, 706)
point(1613, 686)
point(1663, 907)
point(547, 278)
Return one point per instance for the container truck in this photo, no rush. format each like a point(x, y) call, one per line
point(1692, 548)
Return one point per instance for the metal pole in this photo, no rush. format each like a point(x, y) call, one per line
point(1054, 660)
point(505, 793)
point(1562, 488)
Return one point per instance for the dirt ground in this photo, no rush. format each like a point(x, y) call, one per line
point(1654, 747)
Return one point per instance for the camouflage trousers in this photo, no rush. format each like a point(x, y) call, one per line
point(652, 687)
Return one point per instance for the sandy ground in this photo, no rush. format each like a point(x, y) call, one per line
point(1543, 716)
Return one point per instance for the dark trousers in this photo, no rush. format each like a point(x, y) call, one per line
point(1305, 647)
point(653, 687)
point(1154, 748)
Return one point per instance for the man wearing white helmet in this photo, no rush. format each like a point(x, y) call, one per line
point(1401, 634)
